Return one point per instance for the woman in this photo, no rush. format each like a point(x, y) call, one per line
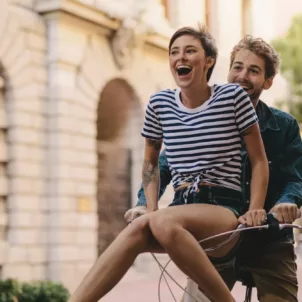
point(202, 128)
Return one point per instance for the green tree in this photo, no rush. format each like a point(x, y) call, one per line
point(290, 49)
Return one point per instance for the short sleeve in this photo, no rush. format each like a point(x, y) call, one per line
point(245, 113)
point(152, 127)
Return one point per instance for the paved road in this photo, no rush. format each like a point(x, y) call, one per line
point(142, 287)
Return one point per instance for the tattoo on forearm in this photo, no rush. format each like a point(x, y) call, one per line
point(149, 173)
point(155, 144)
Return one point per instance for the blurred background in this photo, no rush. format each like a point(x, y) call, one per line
point(75, 78)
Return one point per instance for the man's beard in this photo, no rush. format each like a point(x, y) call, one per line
point(255, 95)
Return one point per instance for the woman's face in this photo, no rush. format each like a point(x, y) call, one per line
point(188, 62)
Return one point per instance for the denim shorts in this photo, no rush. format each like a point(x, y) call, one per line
point(219, 196)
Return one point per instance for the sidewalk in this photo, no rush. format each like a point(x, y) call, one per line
point(143, 287)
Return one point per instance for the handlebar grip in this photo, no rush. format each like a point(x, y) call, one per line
point(272, 222)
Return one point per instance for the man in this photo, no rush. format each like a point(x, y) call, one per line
point(270, 259)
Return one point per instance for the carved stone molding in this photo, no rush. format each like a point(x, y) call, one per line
point(102, 15)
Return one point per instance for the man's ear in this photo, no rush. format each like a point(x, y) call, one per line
point(268, 83)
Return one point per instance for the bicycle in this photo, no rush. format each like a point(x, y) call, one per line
point(192, 292)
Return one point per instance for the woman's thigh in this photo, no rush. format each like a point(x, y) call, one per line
point(202, 221)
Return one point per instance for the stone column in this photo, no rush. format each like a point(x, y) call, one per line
point(71, 157)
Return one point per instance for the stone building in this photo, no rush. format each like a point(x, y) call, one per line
point(75, 77)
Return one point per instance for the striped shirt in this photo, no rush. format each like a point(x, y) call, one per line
point(204, 143)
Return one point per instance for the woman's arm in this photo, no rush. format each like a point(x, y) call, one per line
point(260, 174)
point(150, 173)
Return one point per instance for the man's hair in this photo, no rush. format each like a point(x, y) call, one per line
point(262, 49)
point(206, 39)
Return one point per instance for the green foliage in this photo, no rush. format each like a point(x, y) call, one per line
point(9, 289)
point(290, 49)
point(42, 291)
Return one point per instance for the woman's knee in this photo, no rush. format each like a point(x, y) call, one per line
point(164, 228)
point(139, 231)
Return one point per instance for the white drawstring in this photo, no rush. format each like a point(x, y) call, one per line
point(192, 188)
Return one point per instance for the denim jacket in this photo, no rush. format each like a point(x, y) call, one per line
point(281, 137)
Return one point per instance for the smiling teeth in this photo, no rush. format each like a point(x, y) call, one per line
point(183, 66)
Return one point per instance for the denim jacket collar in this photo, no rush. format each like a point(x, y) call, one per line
point(267, 119)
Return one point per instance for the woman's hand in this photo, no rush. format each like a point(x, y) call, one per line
point(253, 218)
point(135, 212)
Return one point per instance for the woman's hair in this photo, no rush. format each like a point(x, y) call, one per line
point(206, 39)
point(262, 49)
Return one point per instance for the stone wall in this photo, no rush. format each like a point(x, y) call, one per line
point(22, 56)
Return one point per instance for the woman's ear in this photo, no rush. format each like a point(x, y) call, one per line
point(210, 62)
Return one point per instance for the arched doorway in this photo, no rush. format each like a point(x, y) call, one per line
point(118, 130)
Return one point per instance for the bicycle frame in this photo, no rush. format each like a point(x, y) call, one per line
point(193, 290)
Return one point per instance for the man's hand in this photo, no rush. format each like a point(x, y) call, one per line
point(253, 218)
point(286, 212)
point(134, 213)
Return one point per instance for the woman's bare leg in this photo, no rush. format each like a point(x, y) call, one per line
point(177, 228)
point(137, 238)
point(116, 260)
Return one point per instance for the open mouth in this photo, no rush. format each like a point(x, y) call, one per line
point(245, 87)
point(183, 70)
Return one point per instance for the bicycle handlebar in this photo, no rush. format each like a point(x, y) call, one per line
point(271, 224)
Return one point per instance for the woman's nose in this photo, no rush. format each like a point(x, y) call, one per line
point(183, 56)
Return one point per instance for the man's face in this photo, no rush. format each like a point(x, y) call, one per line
point(248, 70)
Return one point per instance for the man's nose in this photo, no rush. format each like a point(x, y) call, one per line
point(243, 75)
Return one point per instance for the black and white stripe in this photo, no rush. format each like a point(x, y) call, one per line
point(204, 143)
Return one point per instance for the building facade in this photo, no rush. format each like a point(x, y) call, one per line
point(75, 78)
